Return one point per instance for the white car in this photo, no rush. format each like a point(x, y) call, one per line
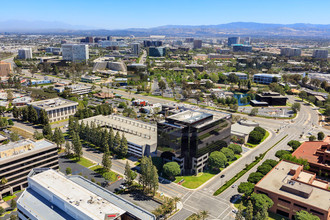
point(122, 187)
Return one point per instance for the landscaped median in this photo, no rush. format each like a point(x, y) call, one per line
point(264, 138)
point(245, 170)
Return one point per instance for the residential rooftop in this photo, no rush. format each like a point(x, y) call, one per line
point(53, 103)
point(13, 149)
point(283, 181)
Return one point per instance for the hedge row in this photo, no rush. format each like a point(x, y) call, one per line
point(245, 170)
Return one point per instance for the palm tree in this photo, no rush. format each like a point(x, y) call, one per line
point(204, 214)
point(158, 211)
point(176, 200)
point(4, 181)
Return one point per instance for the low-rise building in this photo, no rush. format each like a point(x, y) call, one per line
point(90, 79)
point(53, 196)
point(265, 78)
point(272, 98)
point(291, 52)
point(141, 137)
point(293, 189)
point(242, 129)
point(18, 158)
point(241, 76)
point(241, 48)
point(57, 109)
point(75, 89)
point(320, 54)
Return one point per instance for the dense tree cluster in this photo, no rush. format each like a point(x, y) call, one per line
point(256, 135)
point(149, 176)
point(102, 109)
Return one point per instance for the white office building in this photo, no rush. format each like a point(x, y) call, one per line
point(141, 137)
point(264, 78)
point(291, 52)
point(57, 109)
point(25, 53)
point(75, 52)
point(53, 196)
point(241, 76)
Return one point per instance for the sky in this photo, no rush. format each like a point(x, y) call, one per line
point(121, 14)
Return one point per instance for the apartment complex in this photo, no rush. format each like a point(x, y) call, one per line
point(25, 53)
point(141, 137)
point(57, 109)
point(265, 78)
point(317, 153)
point(17, 159)
point(189, 136)
point(320, 54)
point(5, 68)
point(233, 40)
point(290, 52)
point(75, 52)
point(157, 51)
point(293, 189)
point(53, 196)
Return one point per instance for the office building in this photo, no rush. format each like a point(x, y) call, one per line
point(141, 137)
point(293, 189)
point(290, 52)
point(5, 68)
point(320, 54)
point(75, 52)
point(18, 158)
point(242, 129)
point(157, 51)
point(53, 196)
point(241, 76)
point(25, 53)
point(109, 38)
point(272, 98)
point(89, 40)
point(136, 49)
point(317, 153)
point(198, 44)
point(189, 40)
point(117, 66)
point(189, 136)
point(264, 78)
point(75, 89)
point(247, 40)
point(154, 43)
point(57, 109)
point(241, 48)
point(54, 50)
point(90, 79)
point(233, 40)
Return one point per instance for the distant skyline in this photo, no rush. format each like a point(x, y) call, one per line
point(110, 14)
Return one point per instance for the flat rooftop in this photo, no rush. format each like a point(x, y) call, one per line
point(135, 131)
point(279, 177)
point(75, 195)
point(189, 116)
point(308, 149)
point(53, 103)
point(18, 148)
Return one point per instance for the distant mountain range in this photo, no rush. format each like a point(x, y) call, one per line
point(235, 28)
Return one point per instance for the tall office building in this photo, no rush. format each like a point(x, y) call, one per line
point(75, 52)
point(89, 40)
point(110, 38)
point(53, 196)
point(18, 158)
point(25, 53)
point(320, 54)
point(189, 40)
point(197, 44)
point(154, 43)
point(136, 48)
point(291, 52)
point(157, 51)
point(5, 68)
point(233, 40)
point(189, 136)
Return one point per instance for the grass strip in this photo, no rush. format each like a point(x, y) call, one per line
point(245, 170)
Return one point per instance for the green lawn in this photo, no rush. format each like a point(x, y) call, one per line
point(7, 198)
point(193, 182)
point(110, 175)
point(264, 138)
point(83, 161)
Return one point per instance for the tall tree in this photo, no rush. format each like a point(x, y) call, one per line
point(106, 160)
point(15, 112)
point(67, 148)
point(43, 117)
point(130, 175)
point(47, 131)
point(77, 147)
point(58, 137)
point(123, 146)
point(154, 179)
point(116, 142)
point(249, 211)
